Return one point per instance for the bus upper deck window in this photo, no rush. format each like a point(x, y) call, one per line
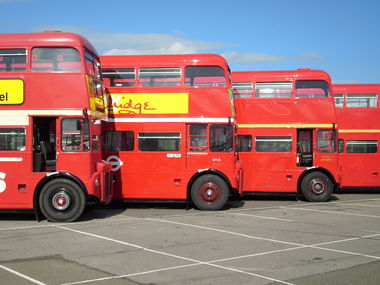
point(273, 89)
point(160, 77)
point(339, 100)
point(205, 76)
point(119, 77)
point(242, 90)
point(12, 60)
point(361, 100)
point(312, 89)
point(56, 60)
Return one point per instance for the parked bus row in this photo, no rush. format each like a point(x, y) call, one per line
point(170, 127)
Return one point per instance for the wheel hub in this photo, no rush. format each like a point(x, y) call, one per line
point(210, 192)
point(61, 200)
point(318, 186)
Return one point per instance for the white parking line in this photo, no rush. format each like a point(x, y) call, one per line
point(365, 205)
point(262, 217)
point(297, 245)
point(303, 204)
point(170, 255)
point(212, 262)
point(331, 212)
point(22, 275)
point(224, 231)
point(347, 239)
point(131, 274)
point(63, 224)
point(25, 227)
point(301, 207)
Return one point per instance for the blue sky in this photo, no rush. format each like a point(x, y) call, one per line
point(341, 37)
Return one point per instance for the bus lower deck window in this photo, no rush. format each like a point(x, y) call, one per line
point(159, 141)
point(273, 144)
point(12, 139)
point(361, 146)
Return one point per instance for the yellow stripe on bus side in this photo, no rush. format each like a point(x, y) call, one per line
point(358, 131)
point(285, 125)
point(149, 103)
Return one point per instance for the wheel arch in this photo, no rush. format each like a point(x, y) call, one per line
point(199, 173)
point(313, 169)
point(48, 178)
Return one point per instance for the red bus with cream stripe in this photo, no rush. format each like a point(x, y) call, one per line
point(287, 132)
point(171, 131)
point(51, 106)
point(358, 112)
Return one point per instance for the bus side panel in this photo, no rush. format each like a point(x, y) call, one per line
point(360, 169)
point(148, 174)
point(270, 171)
point(266, 172)
point(17, 182)
point(151, 175)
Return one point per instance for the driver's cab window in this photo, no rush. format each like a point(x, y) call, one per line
point(221, 138)
point(75, 135)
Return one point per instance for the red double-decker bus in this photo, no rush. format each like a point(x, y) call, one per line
point(358, 112)
point(51, 102)
point(287, 132)
point(171, 132)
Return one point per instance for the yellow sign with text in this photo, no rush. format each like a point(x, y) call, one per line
point(149, 103)
point(11, 91)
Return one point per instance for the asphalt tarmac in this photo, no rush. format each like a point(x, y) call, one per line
point(262, 239)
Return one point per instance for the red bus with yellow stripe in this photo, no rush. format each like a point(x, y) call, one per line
point(171, 128)
point(287, 132)
point(358, 112)
point(51, 107)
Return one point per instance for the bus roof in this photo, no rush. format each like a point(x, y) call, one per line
point(166, 60)
point(356, 88)
point(280, 75)
point(48, 38)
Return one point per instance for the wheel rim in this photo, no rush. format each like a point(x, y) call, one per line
point(210, 192)
point(61, 200)
point(318, 186)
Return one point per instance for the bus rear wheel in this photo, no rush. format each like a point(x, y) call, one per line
point(317, 187)
point(62, 200)
point(209, 192)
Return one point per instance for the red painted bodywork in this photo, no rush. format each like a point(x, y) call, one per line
point(169, 174)
point(359, 123)
point(55, 95)
point(278, 171)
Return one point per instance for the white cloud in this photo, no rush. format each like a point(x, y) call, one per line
point(128, 43)
point(236, 57)
point(310, 56)
point(174, 48)
point(149, 44)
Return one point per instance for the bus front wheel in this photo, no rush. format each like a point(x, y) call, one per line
point(317, 187)
point(209, 192)
point(62, 200)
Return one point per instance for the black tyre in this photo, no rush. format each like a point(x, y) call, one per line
point(62, 200)
point(209, 192)
point(317, 187)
